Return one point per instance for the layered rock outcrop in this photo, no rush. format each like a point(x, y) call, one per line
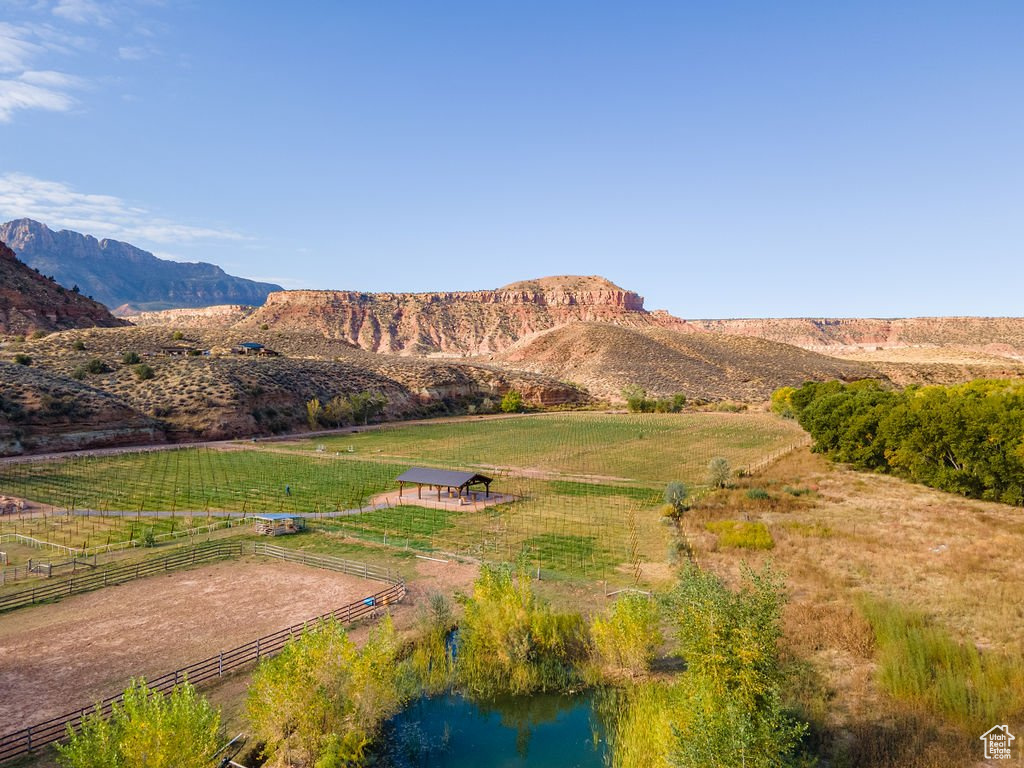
point(999, 336)
point(458, 323)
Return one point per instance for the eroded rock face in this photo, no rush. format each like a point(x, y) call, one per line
point(1003, 336)
point(457, 323)
point(215, 317)
point(31, 302)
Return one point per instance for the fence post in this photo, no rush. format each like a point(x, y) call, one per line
point(28, 737)
point(257, 649)
point(220, 664)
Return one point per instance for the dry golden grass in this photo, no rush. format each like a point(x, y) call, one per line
point(853, 533)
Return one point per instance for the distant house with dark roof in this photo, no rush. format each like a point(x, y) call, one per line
point(442, 479)
point(252, 348)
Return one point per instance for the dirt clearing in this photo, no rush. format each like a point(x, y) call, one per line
point(56, 657)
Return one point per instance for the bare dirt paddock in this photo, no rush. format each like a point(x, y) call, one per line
point(54, 658)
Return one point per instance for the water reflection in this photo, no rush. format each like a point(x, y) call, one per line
point(544, 731)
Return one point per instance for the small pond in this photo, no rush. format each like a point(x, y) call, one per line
point(544, 731)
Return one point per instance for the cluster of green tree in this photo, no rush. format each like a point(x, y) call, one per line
point(637, 401)
point(355, 408)
point(965, 439)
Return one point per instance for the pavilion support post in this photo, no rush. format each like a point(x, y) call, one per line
point(419, 491)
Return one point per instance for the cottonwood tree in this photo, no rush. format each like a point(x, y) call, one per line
point(147, 730)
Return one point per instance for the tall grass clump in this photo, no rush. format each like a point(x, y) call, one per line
point(625, 639)
point(736, 534)
point(431, 658)
point(511, 642)
point(921, 662)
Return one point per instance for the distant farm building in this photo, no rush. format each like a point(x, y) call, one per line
point(278, 523)
point(453, 484)
point(180, 350)
point(252, 348)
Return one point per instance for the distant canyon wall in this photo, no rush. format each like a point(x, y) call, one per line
point(459, 323)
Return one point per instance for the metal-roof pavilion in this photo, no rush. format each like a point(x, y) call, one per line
point(442, 478)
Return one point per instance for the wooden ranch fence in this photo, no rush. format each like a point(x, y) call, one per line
point(35, 736)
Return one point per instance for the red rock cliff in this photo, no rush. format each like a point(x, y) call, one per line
point(454, 323)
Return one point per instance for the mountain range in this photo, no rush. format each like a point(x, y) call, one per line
point(179, 374)
point(123, 277)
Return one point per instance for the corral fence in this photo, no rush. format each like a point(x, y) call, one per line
point(106, 576)
point(35, 736)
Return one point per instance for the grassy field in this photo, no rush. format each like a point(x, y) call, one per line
point(648, 449)
point(589, 484)
point(200, 480)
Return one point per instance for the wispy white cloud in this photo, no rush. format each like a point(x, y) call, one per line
point(82, 12)
point(60, 206)
point(38, 36)
point(21, 85)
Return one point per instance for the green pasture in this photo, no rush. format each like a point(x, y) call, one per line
point(569, 532)
point(200, 480)
point(633, 448)
point(590, 485)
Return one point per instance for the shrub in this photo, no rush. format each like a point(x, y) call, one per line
point(733, 680)
point(758, 494)
point(179, 730)
point(675, 496)
point(323, 699)
point(637, 400)
point(144, 372)
point(22, 359)
point(38, 334)
point(742, 535)
point(130, 358)
point(719, 472)
point(78, 345)
point(512, 402)
point(177, 335)
point(624, 641)
point(149, 538)
point(264, 327)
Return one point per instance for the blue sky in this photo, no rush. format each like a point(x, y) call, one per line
point(723, 159)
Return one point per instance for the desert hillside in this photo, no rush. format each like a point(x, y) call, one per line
point(30, 302)
point(606, 358)
point(188, 395)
